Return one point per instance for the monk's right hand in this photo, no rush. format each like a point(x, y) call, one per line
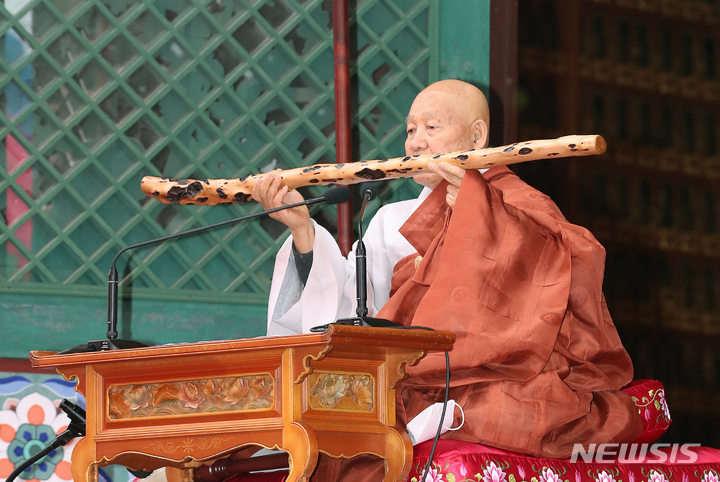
point(267, 191)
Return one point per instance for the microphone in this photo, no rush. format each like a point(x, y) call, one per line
point(336, 195)
point(361, 258)
point(360, 318)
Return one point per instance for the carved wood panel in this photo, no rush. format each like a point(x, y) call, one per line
point(228, 394)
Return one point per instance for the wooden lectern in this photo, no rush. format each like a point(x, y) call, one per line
point(188, 405)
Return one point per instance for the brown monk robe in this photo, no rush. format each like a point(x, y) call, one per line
point(537, 365)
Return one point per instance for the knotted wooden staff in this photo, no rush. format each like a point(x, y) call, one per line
point(211, 192)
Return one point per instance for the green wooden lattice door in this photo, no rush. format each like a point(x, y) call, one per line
point(96, 94)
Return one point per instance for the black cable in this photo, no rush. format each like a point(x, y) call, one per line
point(442, 416)
point(75, 429)
point(60, 440)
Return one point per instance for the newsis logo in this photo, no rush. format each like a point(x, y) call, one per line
point(635, 453)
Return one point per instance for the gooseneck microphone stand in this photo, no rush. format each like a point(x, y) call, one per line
point(361, 318)
point(75, 429)
point(336, 195)
point(361, 260)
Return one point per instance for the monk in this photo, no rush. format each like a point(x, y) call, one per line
point(537, 365)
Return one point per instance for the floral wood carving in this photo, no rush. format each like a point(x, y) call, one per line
point(341, 391)
point(230, 394)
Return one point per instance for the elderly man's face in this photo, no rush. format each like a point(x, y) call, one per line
point(435, 126)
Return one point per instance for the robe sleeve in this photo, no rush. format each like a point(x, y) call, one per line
point(521, 288)
point(501, 284)
point(293, 309)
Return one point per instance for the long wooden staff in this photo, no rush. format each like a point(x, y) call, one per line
point(211, 192)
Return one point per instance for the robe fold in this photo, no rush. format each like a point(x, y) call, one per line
point(537, 364)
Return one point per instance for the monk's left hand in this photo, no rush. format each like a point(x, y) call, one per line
point(453, 175)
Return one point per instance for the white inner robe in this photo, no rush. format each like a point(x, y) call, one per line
point(329, 293)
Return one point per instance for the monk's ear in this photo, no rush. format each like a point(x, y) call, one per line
point(480, 133)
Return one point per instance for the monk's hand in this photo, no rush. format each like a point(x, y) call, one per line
point(453, 175)
point(269, 192)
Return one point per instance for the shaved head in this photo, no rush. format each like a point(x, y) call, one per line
point(465, 100)
point(447, 116)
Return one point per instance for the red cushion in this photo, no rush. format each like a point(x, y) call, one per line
point(459, 461)
point(649, 398)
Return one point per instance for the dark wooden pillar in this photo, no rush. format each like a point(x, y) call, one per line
point(343, 146)
point(503, 71)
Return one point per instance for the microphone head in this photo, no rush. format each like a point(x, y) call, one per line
point(337, 195)
point(369, 193)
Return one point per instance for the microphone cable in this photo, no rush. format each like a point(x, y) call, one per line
point(445, 402)
point(76, 428)
point(442, 416)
